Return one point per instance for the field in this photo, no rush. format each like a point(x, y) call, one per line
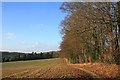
point(46, 68)
point(57, 68)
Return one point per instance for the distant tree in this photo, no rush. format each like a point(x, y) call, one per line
point(42, 55)
point(32, 53)
point(35, 53)
point(6, 59)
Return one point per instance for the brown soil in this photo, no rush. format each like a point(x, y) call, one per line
point(101, 69)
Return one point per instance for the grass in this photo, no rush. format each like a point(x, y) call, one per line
point(30, 63)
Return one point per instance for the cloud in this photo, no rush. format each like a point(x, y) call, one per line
point(32, 47)
point(10, 35)
point(41, 24)
point(37, 46)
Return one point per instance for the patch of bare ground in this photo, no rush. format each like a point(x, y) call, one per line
point(103, 70)
point(65, 72)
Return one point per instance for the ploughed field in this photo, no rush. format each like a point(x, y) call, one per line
point(45, 68)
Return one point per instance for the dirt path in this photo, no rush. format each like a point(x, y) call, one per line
point(98, 70)
point(89, 72)
point(86, 71)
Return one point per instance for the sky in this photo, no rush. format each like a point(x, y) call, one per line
point(31, 26)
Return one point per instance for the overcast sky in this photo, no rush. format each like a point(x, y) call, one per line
point(31, 26)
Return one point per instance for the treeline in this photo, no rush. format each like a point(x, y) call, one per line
point(16, 56)
point(91, 32)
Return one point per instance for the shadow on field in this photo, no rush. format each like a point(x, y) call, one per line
point(81, 78)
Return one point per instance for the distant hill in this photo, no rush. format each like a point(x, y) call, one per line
point(18, 56)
